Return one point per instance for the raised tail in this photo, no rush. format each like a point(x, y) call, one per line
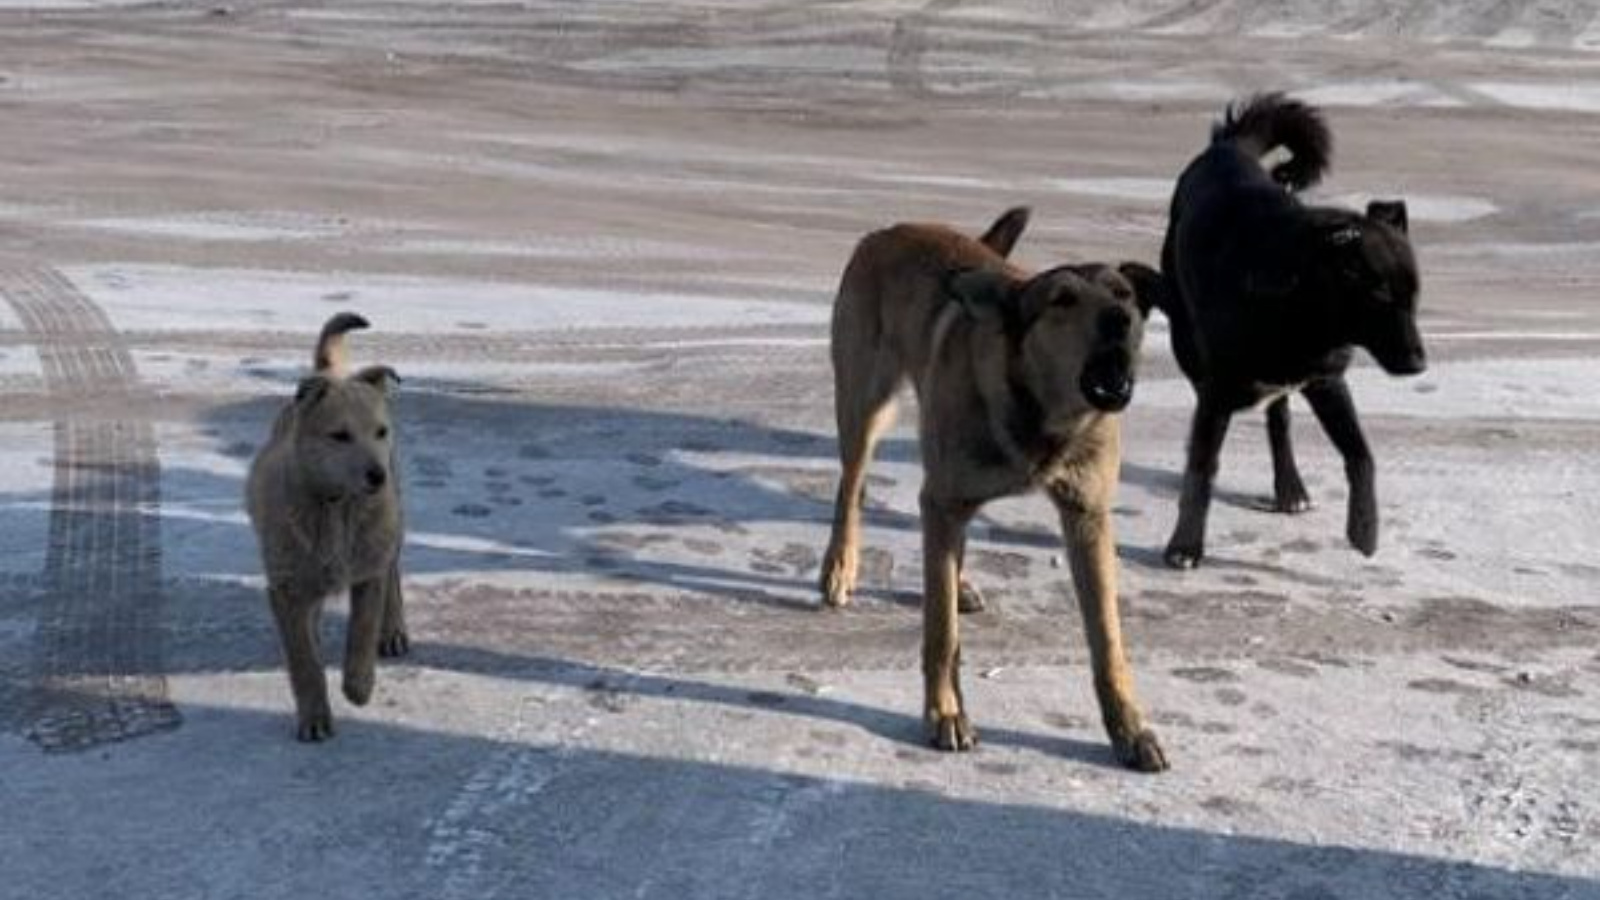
point(1266, 122)
point(331, 357)
point(1003, 235)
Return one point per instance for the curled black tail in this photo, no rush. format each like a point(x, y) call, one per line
point(1268, 121)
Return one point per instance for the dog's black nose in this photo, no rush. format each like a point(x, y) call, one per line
point(376, 477)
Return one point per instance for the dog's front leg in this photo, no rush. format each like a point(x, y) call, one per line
point(1210, 426)
point(395, 640)
point(298, 617)
point(1092, 553)
point(361, 641)
point(944, 711)
point(1331, 402)
point(968, 598)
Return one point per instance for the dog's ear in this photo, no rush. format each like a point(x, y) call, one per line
point(1391, 213)
point(980, 289)
point(1003, 235)
point(1149, 286)
point(311, 390)
point(380, 377)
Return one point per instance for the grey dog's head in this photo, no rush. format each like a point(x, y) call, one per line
point(343, 437)
point(343, 434)
point(1077, 329)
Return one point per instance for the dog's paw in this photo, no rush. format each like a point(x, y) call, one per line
point(1362, 531)
point(1182, 556)
point(358, 688)
point(1142, 752)
point(1291, 500)
point(836, 585)
point(951, 733)
point(395, 644)
point(969, 599)
point(315, 728)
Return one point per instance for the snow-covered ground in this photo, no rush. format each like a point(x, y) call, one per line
point(599, 242)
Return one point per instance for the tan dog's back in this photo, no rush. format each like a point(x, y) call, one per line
point(892, 291)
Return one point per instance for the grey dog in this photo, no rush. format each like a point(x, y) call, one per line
point(324, 498)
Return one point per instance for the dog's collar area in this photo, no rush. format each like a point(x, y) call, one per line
point(1023, 426)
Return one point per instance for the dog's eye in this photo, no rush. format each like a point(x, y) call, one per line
point(383, 432)
point(342, 436)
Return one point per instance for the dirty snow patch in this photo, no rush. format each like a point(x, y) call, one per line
point(173, 298)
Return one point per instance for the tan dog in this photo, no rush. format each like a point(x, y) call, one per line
point(324, 499)
point(1018, 378)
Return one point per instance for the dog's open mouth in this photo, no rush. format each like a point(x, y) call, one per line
point(1108, 395)
point(1107, 384)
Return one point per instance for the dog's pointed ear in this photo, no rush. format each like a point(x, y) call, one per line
point(1003, 235)
point(1149, 286)
point(380, 377)
point(1391, 213)
point(311, 390)
point(979, 289)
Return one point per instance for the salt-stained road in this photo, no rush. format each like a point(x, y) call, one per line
point(599, 241)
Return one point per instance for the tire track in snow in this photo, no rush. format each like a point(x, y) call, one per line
point(97, 668)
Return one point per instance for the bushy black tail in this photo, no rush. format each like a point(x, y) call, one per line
point(1268, 121)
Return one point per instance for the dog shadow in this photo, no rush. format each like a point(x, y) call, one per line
point(1168, 483)
point(450, 813)
point(643, 497)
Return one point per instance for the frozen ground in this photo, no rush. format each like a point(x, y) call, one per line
point(600, 240)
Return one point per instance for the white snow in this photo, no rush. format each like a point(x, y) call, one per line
point(1575, 96)
point(1513, 389)
point(1144, 190)
point(174, 298)
point(223, 226)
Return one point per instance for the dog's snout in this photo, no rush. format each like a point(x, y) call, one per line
point(1114, 325)
point(376, 477)
point(1416, 365)
point(1107, 382)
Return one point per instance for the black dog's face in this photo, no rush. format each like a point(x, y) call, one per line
point(1373, 270)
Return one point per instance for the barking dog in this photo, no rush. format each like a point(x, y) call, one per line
point(1269, 297)
point(1019, 378)
point(324, 498)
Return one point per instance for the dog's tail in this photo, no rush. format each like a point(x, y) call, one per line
point(1003, 235)
point(331, 357)
point(1266, 122)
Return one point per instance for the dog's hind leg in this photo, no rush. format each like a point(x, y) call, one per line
point(1330, 400)
point(361, 640)
point(297, 619)
point(1288, 491)
point(865, 406)
point(1210, 426)
point(394, 640)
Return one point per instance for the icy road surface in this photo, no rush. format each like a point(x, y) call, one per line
point(600, 241)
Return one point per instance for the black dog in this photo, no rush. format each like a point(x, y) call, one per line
point(1267, 296)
